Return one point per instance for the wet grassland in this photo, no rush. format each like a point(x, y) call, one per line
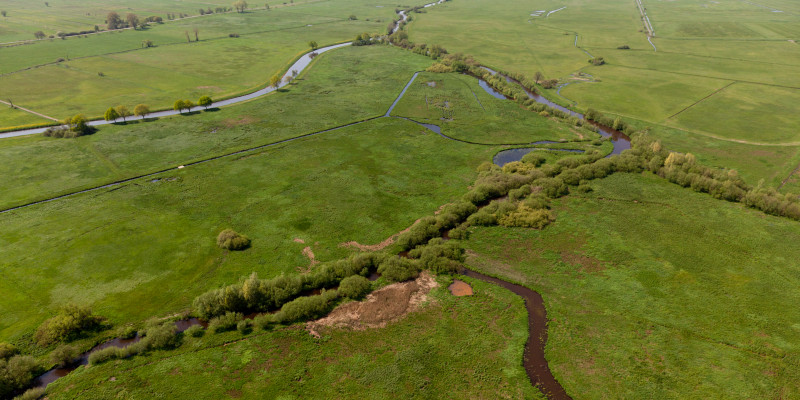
point(720, 85)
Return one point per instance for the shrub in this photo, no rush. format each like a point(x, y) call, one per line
point(533, 158)
point(127, 332)
point(460, 232)
point(7, 351)
point(160, 337)
point(519, 193)
point(439, 256)
point(354, 287)
point(68, 324)
point(420, 233)
point(31, 394)
point(231, 240)
point(439, 68)
point(399, 269)
point(527, 217)
point(306, 308)
point(102, 355)
point(64, 355)
point(263, 321)
point(195, 331)
point(233, 35)
point(225, 322)
point(537, 202)
point(551, 187)
point(244, 327)
point(16, 373)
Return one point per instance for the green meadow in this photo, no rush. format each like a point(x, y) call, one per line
point(652, 290)
point(106, 70)
point(695, 298)
point(455, 347)
point(726, 73)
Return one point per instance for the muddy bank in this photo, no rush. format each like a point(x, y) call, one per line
point(533, 356)
point(381, 307)
point(460, 288)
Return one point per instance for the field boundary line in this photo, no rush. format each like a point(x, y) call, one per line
point(201, 161)
point(28, 111)
point(791, 174)
point(701, 100)
point(706, 76)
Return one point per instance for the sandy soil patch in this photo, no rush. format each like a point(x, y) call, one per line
point(381, 307)
point(460, 288)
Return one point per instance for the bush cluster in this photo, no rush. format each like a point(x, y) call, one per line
point(224, 323)
point(399, 269)
point(439, 256)
point(156, 337)
point(16, 373)
point(71, 321)
point(231, 240)
point(261, 295)
point(354, 287)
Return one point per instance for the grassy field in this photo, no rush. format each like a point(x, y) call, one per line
point(147, 248)
point(24, 17)
point(702, 47)
point(465, 111)
point(16, 117)
point(217, 65)
point(696, 301)
point(455, 347)
point(343, 86)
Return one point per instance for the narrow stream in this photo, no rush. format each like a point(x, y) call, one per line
point(620, 140)
point(533, 356)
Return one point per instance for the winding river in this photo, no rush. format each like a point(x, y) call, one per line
point(534, 360)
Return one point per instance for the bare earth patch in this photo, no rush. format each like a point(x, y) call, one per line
point(381, 307)
point(244, 120)
point(298, 240)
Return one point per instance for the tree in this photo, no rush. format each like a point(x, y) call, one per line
point(275, 81)
point(78, 123)
point(179, 105)
point(39, 35)
point(196, 35)
point(266, 6)
point(313, 45)
point(147, 43)
point(123, 112)
point(111, 114)
point(132, 19)
point(141, 110)
point(240, 6)
point(538, 76)
point(3, 13)
point(187, 36)
point(113, 20)
point(205, 101)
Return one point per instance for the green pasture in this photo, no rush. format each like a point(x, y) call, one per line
point(15, 117)
point(466, 111)
point(219, 66)
point(702, 47)
point(454, 347)
point(770, 163)
point(148, 248)
point(26, 17)
point(342, 86)
point(752, 124)
point(655, 291)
